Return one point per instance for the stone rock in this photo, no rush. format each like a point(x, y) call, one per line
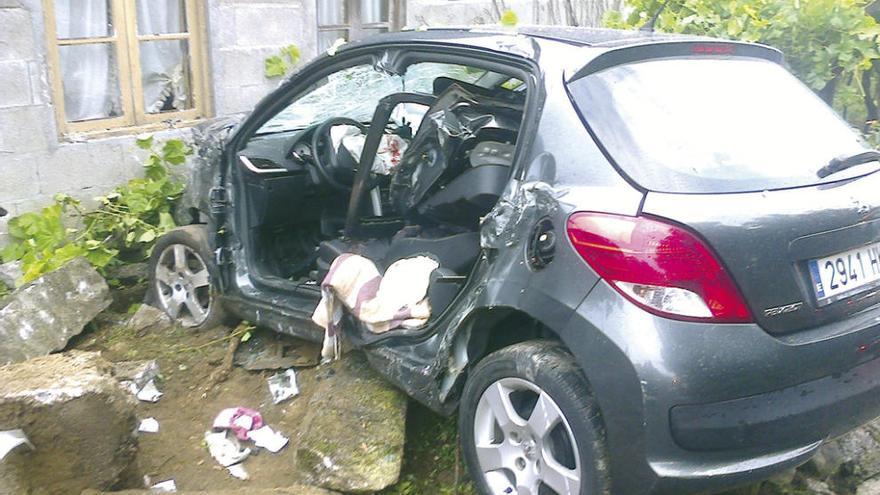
point(42, 316)
point(79, 419)
point(148, 318)
point(870, 487)
point(10, 273)
point(352, 437)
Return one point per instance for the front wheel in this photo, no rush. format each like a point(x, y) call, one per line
point(181, 278)
point(529, 426)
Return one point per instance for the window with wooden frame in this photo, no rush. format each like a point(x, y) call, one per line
point(354, 19)
point(124, 63)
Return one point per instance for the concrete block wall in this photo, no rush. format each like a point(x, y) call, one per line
point(243, 33)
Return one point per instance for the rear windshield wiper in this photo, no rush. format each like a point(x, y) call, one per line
point(844, 162)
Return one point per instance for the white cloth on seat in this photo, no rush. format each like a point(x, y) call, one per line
point(353, 283)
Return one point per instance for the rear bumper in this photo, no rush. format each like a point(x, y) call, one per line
point(827, 407)
point(696, 407)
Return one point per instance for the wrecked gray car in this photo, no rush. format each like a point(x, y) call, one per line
point(645, 279)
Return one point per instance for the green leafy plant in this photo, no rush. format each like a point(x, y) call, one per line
point(832, 45)
point(123, 228)
point(282, 63)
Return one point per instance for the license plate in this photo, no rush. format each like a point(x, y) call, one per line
point(844, 274)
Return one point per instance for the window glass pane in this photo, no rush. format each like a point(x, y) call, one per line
point(326, 38)
point(373, 11)
point(161, 16)
point(353, 92)
point(82, 19)
point(714, 125)
point(90, 81)
point(165, 75)
point(331, 12)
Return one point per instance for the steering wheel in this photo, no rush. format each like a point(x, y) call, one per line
point(327, 162)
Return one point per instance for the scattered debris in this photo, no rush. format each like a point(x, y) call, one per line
point(283, 386)
point(149, 393)
point(267, 350)
point(225, 449)
point(78, 417)
point(238, 471)
point(42, 316)
point(134, 375)
point(335, 46)
point(11, 439)
point(139, 378)
point(164, 487)
point(149, 425)
point(268, 439)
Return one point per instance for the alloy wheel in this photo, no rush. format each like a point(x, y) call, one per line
point(524, 444)
point(183, 285)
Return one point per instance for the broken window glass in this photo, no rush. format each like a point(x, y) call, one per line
point(353, 92)
point(165, 76)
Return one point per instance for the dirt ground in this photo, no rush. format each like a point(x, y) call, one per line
point(186, 410)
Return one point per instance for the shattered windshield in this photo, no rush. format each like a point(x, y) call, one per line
point(355, 92)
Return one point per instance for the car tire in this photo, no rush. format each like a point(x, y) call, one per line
point(560, 447)
point(182, 277)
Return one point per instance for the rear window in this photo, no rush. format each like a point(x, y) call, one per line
point(713, 125)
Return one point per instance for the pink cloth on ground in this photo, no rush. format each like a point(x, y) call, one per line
point(240, 420)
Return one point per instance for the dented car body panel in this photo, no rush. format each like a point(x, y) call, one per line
point(661, 384)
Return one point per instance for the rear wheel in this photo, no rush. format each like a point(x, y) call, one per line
point(181, 278)
point(528, 424)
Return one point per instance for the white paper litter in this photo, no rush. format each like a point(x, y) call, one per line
point(11, 439)
point(268, 439)
point(149, 425)
point(238, 471)
point(164, 487)
point(225, 449)
point(283, 386)
point(149, 393)
point(244, 422)
point(224, 418)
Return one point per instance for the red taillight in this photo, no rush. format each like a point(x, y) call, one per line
point(661, 267)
